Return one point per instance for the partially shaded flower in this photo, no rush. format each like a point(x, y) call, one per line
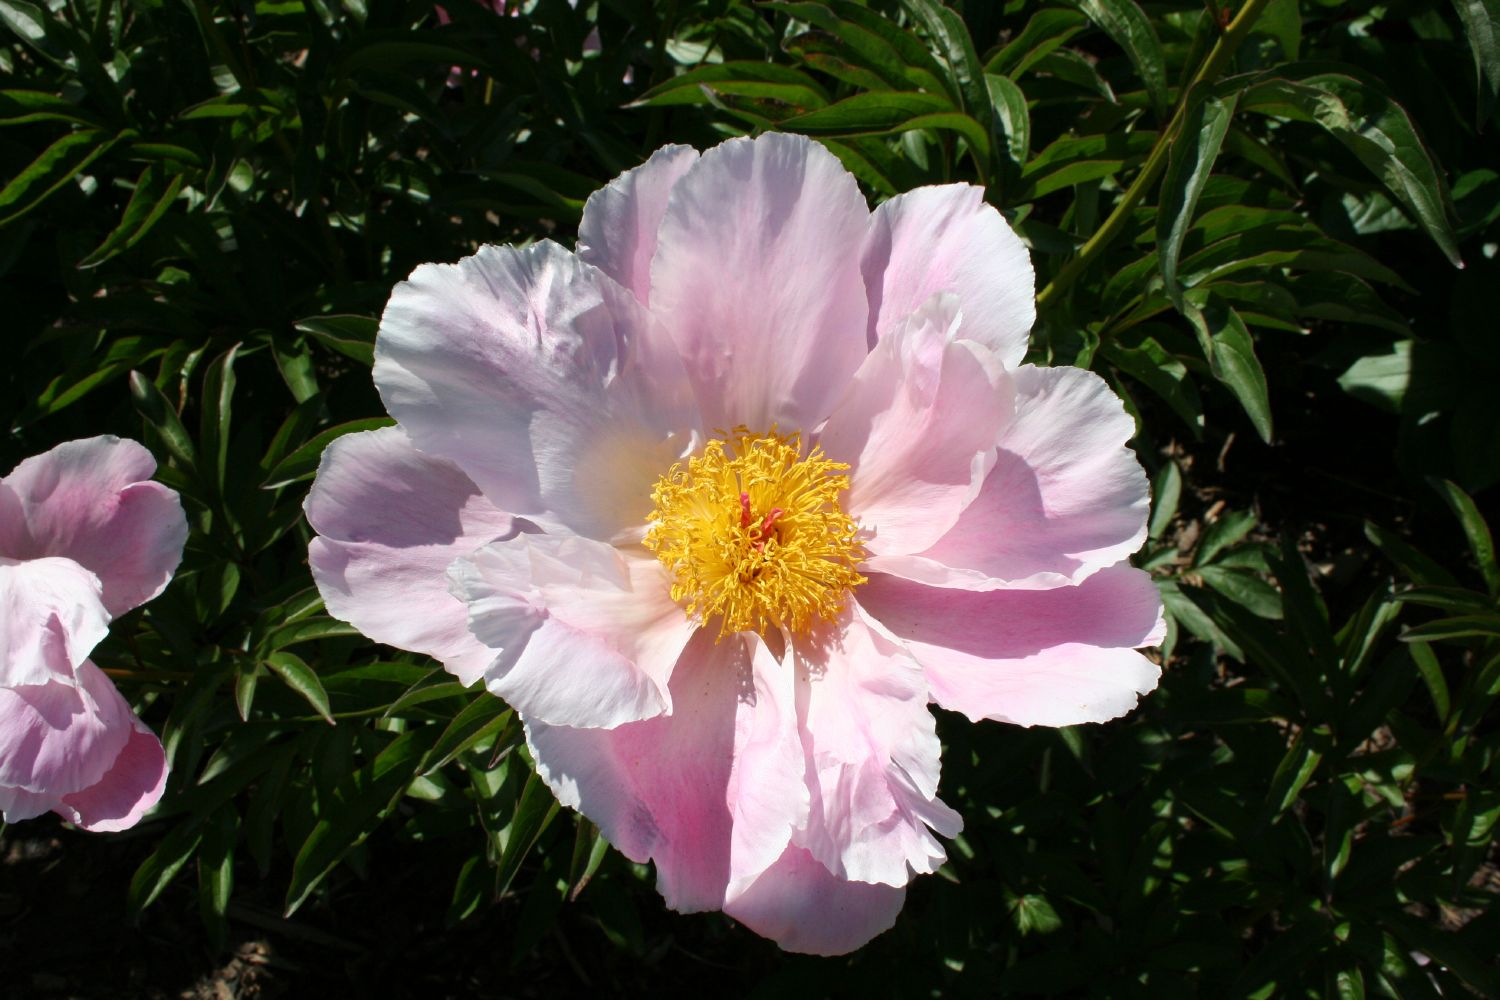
point(84, 537)
point(720, 501)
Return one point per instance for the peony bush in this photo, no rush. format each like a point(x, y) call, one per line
point(906, 498)
point(722, 645)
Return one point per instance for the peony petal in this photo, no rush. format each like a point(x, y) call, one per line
point(91, 501)
point(60, 738)
point(542, 380)
point(581, 634)
point(946, 239)
point(621, 219)
point(1032, 657)
point(51, 618)
point(754, 279)
point(14, 538)
point(918, 428)
point(132, 785)
point(805, 908)
point(711, 792)
point(872, 757)
point(390, 521)
point(1066, 498)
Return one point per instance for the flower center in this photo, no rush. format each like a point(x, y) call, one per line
point(752, 531)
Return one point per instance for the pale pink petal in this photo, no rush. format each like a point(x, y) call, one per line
point(14, 538)
point(17, 804)
point(51, 618)
point(581, 634)
point(390, 520)
point(946, 239)
point(918, 427)
point(542, 379)
point(804, 907)
point(756, 279)
point(135, 781)
point(60, 738)
point(1066, 498)
point(621, 219)
point(872, 756)
point(91, 501)
point(1032, 657)
point(709, 793)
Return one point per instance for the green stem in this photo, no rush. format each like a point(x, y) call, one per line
point(1213, 65)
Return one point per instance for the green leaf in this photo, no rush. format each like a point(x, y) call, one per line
point(1282, 20)
point(876, 44)
point(1147, 361)
point(1297, 767)
point(1414, 564)
point(293, 432)
point(484, 717)
point(1264, 646)
point(152, 196)
point(1481, 20)
point(303, 463)
point(357, 806)
point(297, 366)
point(246, 680)
point(589, 849)
point(1481, 543)
point(1456, 627)
point(1195, 147)
point(1033, 914)
point(1071, 67)
point(1166, 491)
point(351, 336)
point(21, 107)
point(1448, 598)
point(1378, 131)
point(534, 813)
point(739, 79)
point(1236, 238)
point(1012, 115)
point(1230, 351)
point(31, 24)
point(1227, 529)
point(433, 687)
point(216, 873)
point(1432, 676)
point(1245, 589)
point(53, 167)
point(1304, 607)
point(302, 679)
point(1076, 159)
point(953, 46)
point(160, 417)
point(306, 630)
point(468, 892)
point(1046, 31)
point(1380, 380)
point(888, 112)
point(1130, 28)
point(162, 865)
point(216, 408)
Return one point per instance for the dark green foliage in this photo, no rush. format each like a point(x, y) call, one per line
point(1248, 219)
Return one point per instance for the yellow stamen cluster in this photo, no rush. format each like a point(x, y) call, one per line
point(752, 533)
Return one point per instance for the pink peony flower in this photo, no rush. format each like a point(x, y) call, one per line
point(84, 536)
point(722, 500)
